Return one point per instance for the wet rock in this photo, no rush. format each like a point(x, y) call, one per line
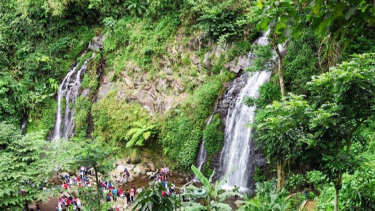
point(239, 63)
point(96, 43)
point(104, 88)
point(131, 178)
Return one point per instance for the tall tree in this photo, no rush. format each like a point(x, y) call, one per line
point(26, 164)
point(97, 154)
point(281, 130)
point(343, 99)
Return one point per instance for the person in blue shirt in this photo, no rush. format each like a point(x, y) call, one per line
point(114, 192)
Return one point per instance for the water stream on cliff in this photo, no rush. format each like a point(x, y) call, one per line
point(202, 153)
point(236, 152)
point(66, 98)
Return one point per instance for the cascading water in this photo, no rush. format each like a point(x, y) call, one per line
point(236, 152)
point(67, 95)
point(202, 153)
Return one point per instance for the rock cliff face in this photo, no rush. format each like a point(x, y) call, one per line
point(180, 70)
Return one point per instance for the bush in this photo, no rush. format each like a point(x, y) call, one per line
point(213, 136)
point(113, 118)
point(183, 128)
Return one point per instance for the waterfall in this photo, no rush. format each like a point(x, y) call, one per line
point(66, 97)
point(236, 152)
point(202, 153)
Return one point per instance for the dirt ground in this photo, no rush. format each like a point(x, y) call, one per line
point(310, 205)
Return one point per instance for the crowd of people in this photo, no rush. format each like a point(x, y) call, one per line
point(109, 189)
point(69, 203)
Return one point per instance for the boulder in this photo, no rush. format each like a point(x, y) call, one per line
point(131, 178)
point(180, 181)
point(150, 166)
point(238, 203)
point(137, 171)
point(135, 160)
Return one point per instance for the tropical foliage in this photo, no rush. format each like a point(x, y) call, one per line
point(215, 194)
point(266, 198)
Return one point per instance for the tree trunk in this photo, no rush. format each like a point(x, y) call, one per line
point(280, 174)
point(338, 185)
point(279, 71)
point(336, 199)
point(97, 186)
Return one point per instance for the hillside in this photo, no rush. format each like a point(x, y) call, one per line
point(254, 89)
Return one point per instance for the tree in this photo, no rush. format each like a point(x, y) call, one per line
point(97, 154)
point(343, 99)
point(281, 131)
point(26, 165)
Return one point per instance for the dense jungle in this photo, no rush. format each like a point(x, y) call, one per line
point(161, 105)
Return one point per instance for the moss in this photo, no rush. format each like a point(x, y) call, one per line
point(213, 136)
point(43, 120)
point(183, 128)
point(113, 118)
point(206, 170)
point(81, 111)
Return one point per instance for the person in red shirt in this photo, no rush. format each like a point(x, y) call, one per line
point(66, 185)
point(121, 193)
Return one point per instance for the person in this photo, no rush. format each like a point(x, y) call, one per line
point(37, 207)
point(132, 194)
point(106, 185)
point(114, 192)
point(127, 194)
point(108, 197)
point(173, 187)
point(118, 179)
point(66, 178)
point(65, 185)
point(110, 187)
point(79, 204)
point(84, 179)
point(121, 193)
point(59, 207)
point(91, 170)
point(88, 183)
point(82, 171)
point(306, 192)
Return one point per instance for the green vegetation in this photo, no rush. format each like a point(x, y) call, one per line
point(112, 118)
point(184, 127)
point(81, 109)
point(26, 158)
point(213, 136)
point(315, 119)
